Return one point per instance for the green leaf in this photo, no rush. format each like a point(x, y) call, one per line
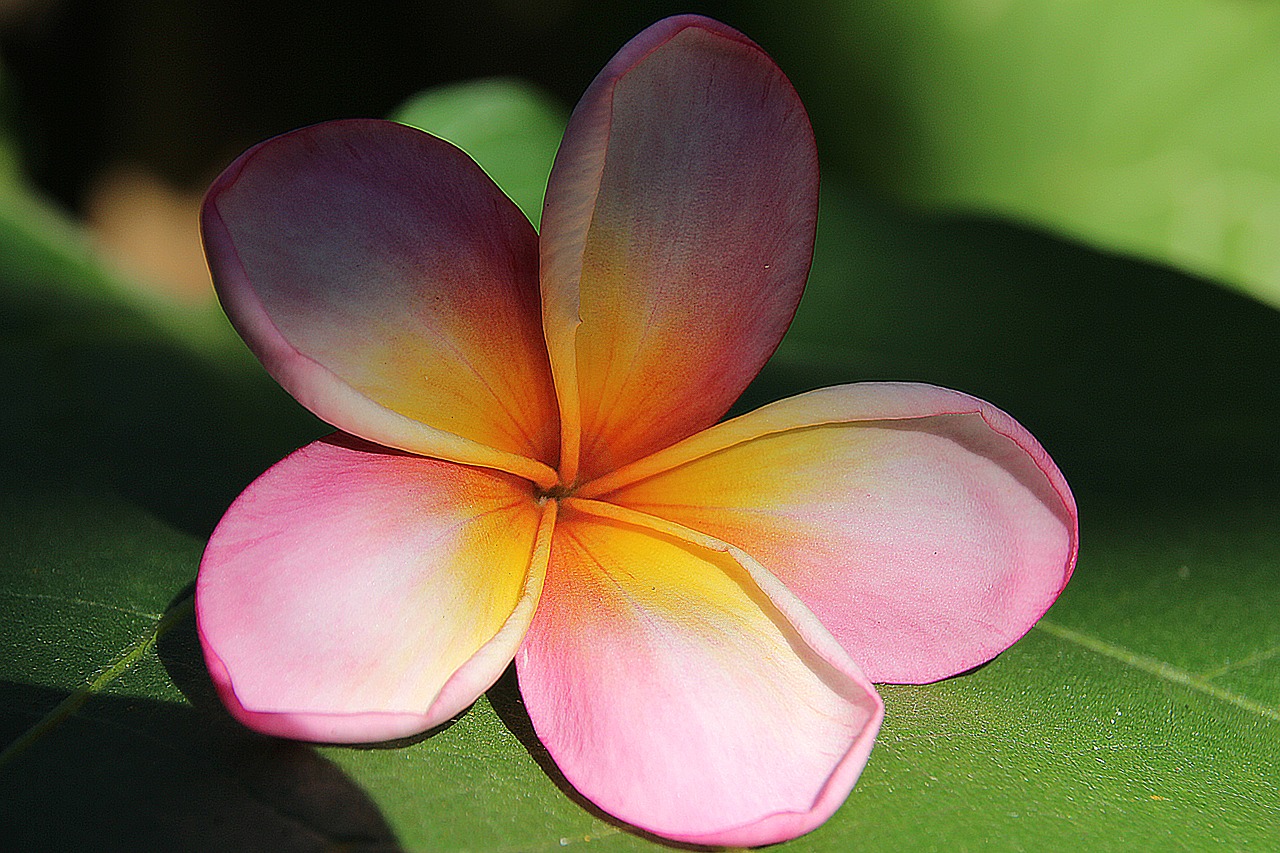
point(1087, 731)
point(507, 126)
point(1145, 127)
point(48, 264)
point(1143, 713)
point(1140, 714)
point(108, 388)
point(1137, 379)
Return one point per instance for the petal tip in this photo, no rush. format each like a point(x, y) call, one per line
point(316, 728)
point(784, 826)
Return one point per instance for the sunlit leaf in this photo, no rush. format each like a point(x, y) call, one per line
point(1143, 713)
point(1145, 127)
point(507, 126)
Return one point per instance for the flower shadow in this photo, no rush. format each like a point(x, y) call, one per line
point(179, 651)
point(504, 697)
point(126, 773)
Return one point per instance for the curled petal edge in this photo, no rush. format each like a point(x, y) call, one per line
point(864, 401)
point(931, 636)
point(323, 392)
point(474, 677)
point(785, 825)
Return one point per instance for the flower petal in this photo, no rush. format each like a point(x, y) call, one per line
point(926, 529)
point(676, 239)
point(686, 692)
point(387, 283)
point(355, 593)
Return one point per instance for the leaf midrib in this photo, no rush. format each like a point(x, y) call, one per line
point(118, 667)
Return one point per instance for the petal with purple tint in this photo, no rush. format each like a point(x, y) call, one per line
point(926, 529)
point(390, 287)
point(676, 239)
point(355, 593)
point(683, 690)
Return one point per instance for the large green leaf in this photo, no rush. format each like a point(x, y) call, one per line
point(1143, 713)
point(102, 378)
point(1070, 737)
point(1146, 126)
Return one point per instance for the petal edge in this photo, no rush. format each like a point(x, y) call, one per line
point(925, 528)
point(389, 286)
point(676, 239)
point(355, 593)
point(682, 697)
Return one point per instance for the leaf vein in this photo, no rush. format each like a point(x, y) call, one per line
point(76, 700)
point(38, 596)
point(1158, 668)
point(1250, 660)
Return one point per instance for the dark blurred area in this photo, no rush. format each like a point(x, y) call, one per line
point(1140, 378)
point(125, 111)
point(178, 87)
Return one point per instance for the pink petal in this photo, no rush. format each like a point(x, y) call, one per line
point(684, 691)
point(679, 228)
point(355, 593)
point(387, 283)
point(926, 529)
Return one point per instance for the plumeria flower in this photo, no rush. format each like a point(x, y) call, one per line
point(530, 466)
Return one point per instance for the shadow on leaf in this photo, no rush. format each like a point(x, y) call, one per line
point(507, 703)
point(134, 774)
point(1141, 381)
point(105, 397)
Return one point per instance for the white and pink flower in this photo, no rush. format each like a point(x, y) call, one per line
point(530, 465)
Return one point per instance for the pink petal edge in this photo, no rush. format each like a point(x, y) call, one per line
point(643, 802)
point(381, 293)
point(925, 542)
point(309, 634)
point(677, 236)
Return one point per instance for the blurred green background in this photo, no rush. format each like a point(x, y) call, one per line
point(1069, 208)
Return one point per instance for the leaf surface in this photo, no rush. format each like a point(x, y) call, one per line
point(1143, 712)
point(1140, 126)
point(509, 127)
